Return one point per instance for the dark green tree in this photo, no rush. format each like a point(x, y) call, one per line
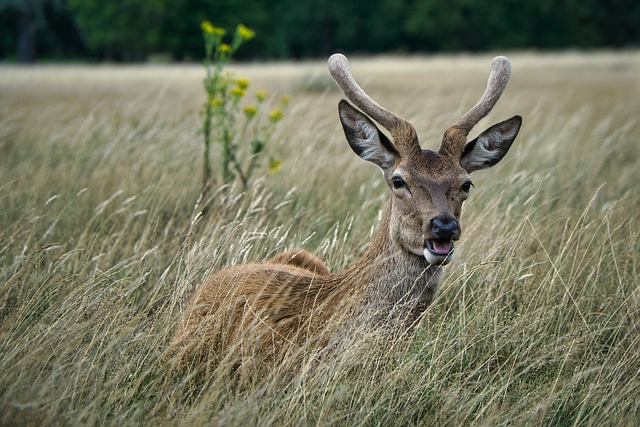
point(119, 29)
point(29, 18)
point(317, 28)
point(181, 34)
point(131, 30)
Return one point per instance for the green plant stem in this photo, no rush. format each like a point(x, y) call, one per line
point(206, 168)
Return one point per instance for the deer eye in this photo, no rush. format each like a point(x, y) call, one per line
point(397, 182)
point(466, 186)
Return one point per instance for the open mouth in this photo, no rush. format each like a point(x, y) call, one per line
point(438, 251)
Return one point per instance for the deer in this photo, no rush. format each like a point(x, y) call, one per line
point(293, 298)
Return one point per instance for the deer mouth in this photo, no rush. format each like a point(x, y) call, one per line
point(438, 251)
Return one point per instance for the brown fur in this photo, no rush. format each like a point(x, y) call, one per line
point(292, 299)
point(268, 307)
point(303, 259)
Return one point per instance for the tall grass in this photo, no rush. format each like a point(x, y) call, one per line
point(101, 243)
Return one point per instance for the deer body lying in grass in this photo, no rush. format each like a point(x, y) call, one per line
point(293, 297)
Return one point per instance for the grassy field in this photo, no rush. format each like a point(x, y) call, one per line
point(537, 322)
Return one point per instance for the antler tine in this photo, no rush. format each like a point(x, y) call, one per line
point(455, 137)
point(498, 79)
point(339, 69)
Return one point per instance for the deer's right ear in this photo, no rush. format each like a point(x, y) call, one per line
point(365, 138)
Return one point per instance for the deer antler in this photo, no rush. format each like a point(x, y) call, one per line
point(456, 136)
point(339, 69)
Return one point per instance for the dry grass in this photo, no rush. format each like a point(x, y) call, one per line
point(538, 322)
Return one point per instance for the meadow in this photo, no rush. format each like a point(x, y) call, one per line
point(536, 323)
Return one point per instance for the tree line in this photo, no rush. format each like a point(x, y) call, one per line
point(135, 30)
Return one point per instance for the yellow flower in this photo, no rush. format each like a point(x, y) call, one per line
point(275, 165)
point(284, 100)
point(237, 91)
point(250, 111)
point(224, 48)
point(207, 27)
point(261, 95)
point(245, 33)
point(242, 83)
point(275, 115)
point(216, 102)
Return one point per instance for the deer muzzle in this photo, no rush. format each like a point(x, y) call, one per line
point(438, 245)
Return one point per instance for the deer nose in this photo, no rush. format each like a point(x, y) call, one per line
point(445, 227)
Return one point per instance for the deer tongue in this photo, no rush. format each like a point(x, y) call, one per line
point(442, 246)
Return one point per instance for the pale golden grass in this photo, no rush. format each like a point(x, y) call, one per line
point(537, 322)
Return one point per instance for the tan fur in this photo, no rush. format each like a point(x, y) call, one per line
point(268, 309)
point(303, 259)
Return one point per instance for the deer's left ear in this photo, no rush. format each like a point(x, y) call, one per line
point(491, 145)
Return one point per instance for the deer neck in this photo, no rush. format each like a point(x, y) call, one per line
point(389, 278)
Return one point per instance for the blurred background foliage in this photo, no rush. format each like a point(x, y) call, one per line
point(141, 30)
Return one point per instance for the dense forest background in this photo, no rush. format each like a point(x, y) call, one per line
point(139, 30)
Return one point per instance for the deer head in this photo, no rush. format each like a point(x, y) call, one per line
point(427, 187)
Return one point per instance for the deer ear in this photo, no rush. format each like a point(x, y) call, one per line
point(365, 138)
point(491, 145)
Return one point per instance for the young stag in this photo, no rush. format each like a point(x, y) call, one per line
point(293, 297)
